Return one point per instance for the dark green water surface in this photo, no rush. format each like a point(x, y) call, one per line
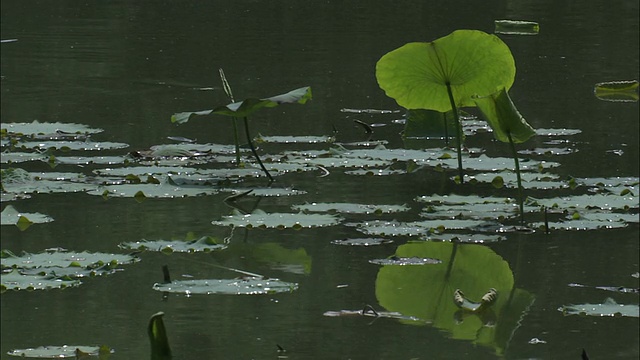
point(127, 66)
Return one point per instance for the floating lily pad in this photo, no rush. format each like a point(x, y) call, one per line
point(548, 151)
point(71, 272)
point(146, 170)
point(363, 242)
point(349, 208)
point(72, 145)
point(516, 27)
point(165, 189)
point(63, 259)
point(372, 313)
point(597, 201)
point(369, 111)
point(14, 280)
point(203, 244)
point(267, 192)
point(608, 308)
point(11, 216)
point(375, 172)
point(294, 139)
point(61, 352)
point(260, 219)
point(36, 127)
point(87, 160)
point(415, 228)
point(243, 286)
point(617, 91)
point(402, 261)
point(466, 238)
point(20, 157)
point(557, 132)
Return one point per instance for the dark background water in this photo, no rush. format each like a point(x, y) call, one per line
point(126, 67)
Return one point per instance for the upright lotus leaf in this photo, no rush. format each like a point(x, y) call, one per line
point(503, 117)
point(160, 349)
point(427, 292)
point(472, 62)
point(248, 106)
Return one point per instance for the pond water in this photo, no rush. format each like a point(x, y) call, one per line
point(126, 67)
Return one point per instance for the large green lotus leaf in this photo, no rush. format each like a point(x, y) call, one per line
point(260, 219)
point(471, 61)
point(203, 244)
point(62, 352)
point(608, 308)
point(350, 208)
point(249, 285)
point(503, 117)
point(11, 216)
point(426, 292)
point(248, 106)
point(63, 259)
point(14, 280)
point(36, 127)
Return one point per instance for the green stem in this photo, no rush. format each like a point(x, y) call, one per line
point(458, 132)
point(446, 129)
point(520, 190)
point(236, 140)
point(253, 149)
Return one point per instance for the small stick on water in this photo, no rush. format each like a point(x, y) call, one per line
point(368, 308)
point(366, 126)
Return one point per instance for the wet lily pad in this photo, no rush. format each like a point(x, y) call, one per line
point(11, 216)
point(375, 172)
point(557, 132)
point(243, 286)
point(267, 192)
point(14, 280)
point(597, 201)
point(72, 145)
point(20, 157)
point(61, 352)
point(294, 139)
point(362, 242)
point(608, 308)
point(402, 261)
point(36, 127)
point(617, 91)
point(260, 219)
point(63, 259)
point(466, 238)
point(414, 228)
point(372, 313)
point(203, 244)
point(516, 27)
point(165, 189)
point(350, 208)
point(87, 160)
point(146, 170)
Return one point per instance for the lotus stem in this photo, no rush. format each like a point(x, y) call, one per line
point(520, 189)
point(253, 149)
point(236, 140)
point(458, 132)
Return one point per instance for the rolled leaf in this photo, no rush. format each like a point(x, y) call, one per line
point(248, 106)
point(504, 118)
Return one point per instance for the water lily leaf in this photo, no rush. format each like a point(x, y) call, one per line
point(339, 162)
point(36, 127)
point(471, 61)
point(454, 199)
point(466, 238)
point(617, 91)
point(193, 148)
point(530, 180)
point(260, 219)
point(486, 211)
point(63, 259)
point(503, 117)
point(375, 172)
point(14, 280)
point(586, 220)
point(486, 163)
point(203, 244)
point(249, 285)
point(71, 272)
point(247, 107)
point(87, 160)
point(373, 313)
point(415, 228)
point(350, 208)
point(402, 261)
point(362, 242)
point(164, 189)
point(608, 308)
point(146, 170)
point(11, 216)
point(557, 132)
point(597, 201)
point(369, 111)
point(267, 192)
point(62, 352)
point(20, 157)
point(294, 139)
point(73, 145)
point(516, 27)
point(548, 151)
